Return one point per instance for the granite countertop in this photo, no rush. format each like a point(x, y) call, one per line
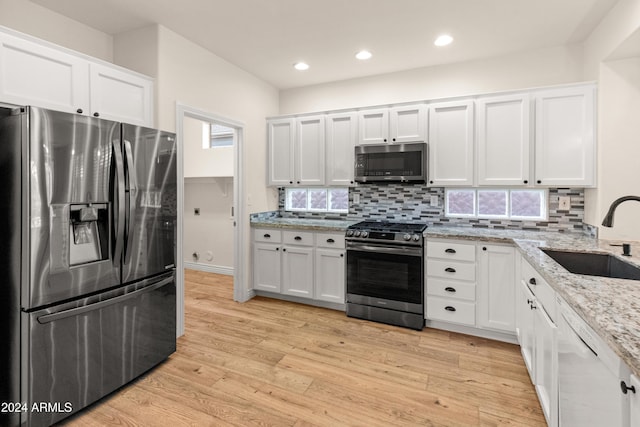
point(303, 224)
point(610, 306)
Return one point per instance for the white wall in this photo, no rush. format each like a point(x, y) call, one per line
point(37, 21)
point(204, 162)
point(210, 234)
point(189, 74)
point(523, 70)
point(618, 124)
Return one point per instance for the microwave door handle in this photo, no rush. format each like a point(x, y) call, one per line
point(119, 202)
point(133, 190)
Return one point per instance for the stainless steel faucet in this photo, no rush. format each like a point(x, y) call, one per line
point(608, 219)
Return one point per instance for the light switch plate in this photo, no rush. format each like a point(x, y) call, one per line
point(564, 203)
point(356, 198)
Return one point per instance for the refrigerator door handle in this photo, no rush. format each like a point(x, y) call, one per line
point(133, 189)
point(48, 318)
point(119, 200)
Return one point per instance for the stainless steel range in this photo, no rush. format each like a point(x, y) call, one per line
point(385, 272)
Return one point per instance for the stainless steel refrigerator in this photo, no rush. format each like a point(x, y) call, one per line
point(87, 259)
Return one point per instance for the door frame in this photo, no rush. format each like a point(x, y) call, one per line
point(240, 292)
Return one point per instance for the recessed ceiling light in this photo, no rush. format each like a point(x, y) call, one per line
point(443, 40)
point(364, 54)
point(301, 66)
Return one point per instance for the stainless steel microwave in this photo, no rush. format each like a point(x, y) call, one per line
point(391, 162)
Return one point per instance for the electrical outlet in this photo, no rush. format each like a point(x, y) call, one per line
point(434, 200)
point(564, 203)
point(356, 198)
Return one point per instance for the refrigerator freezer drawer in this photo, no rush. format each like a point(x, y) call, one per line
point(78, 353)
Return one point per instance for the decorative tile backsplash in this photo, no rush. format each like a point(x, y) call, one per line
point(412, 202)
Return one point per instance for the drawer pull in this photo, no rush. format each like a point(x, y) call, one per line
point(450, 251)
point(297, 238)
point(450, 289)
point(532, 281)
point(267, 236)
point(449, 308)
point(330, 241)
point(450, 270)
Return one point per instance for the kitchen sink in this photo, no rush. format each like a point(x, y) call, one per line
point(594, 264)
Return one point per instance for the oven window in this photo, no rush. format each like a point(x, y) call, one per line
point(387, 276)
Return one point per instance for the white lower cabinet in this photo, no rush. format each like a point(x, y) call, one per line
point(299, 263)
point(536, 330)
point(450, 282)
point(634, 401)
point(496, 274)
point(330, 268)
point(471, 284)
point(297, 271)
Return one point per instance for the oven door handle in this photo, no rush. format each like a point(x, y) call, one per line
point(413, 251)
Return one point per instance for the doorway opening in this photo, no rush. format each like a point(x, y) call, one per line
point(210, 220)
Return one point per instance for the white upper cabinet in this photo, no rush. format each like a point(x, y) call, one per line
point(340, 137)
point(33, 74)
point(40, 74)
point(296, 151)
point(408, 123)
point(393, 125)
point(281, 136)
point(309, 149)
point(121, 96)
point(451, 143)
point(503, 134)
point(565, 137)
point(374, 126)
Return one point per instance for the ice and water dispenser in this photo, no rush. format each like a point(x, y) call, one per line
point(88, 233)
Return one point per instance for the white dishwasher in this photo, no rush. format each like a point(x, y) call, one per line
point(590, 374)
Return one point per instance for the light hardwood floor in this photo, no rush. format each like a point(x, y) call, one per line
point(269, 362)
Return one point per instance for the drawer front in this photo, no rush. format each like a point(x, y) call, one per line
point(451, 289)
point(451, 310)
point(451, 269)
point(304, 238)
point(267, 235)
point(448, 250)
point(330, 240)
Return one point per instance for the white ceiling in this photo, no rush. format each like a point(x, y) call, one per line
point(265, 37)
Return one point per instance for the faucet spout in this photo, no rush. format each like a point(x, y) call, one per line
point(608, 219)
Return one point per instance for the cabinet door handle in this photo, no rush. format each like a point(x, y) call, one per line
point(450, 289)
point(533, 281)
point(79, 111)
point(341, 255)
point(297, 238)
point(267, 236)
point(277, 249)
point(449, 308)
point(284, 250)
point(526, 182)
point(450, 270)
point(330, 241)
point(484, 248)
point(96, 114)
point(450, 251)
point(625, 388)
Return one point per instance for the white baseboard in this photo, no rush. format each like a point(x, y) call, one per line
point(218, 269)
